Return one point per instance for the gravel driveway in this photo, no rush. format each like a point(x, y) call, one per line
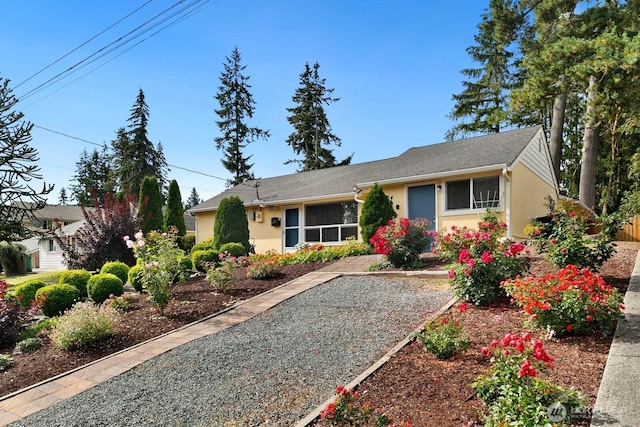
point(270, 370)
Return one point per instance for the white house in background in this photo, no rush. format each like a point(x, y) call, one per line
point(50, 253)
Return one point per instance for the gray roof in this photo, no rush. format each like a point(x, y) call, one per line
point(61, 212)
point(446, 158)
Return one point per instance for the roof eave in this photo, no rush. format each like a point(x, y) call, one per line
point(262, 203)
point(432, 176)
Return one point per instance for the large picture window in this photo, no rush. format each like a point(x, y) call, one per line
point(475, 193)
point(331, 222)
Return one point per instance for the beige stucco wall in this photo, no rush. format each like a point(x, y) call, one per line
point(528, 194)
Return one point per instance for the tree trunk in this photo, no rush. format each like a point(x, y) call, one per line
point(555, 133)
point(587, 189)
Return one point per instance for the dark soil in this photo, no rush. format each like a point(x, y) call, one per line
point(190, 301)
point(413, 386)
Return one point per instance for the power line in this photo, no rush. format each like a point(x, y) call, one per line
point(81, 45)
point(102, 145)
point(121, 41)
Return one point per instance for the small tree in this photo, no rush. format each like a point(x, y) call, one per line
point(193, 200)
point(174, 214)
point(150, 204)
point(99, 240)
point(231, 223)
point(377, 210)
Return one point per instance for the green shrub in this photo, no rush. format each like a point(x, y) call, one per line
point(234, 249)
point(231, 224)
point(263, 269)
point(206, 244)
point(5, 362)
point(77, 278)
point(100, 286)
point(27, 345)
point(402, 240)
point(25, 292)
point(377, 211)
point(135, 277)
point(186, 267)
point(187, 242)
point(120, 303)
point(444, 338)
point(174, 210)
point(118, 268)
point(150, 204)
point(34, 330)
point(59, 297)
point(201, 258)
point(12, 257)
point(85, 325)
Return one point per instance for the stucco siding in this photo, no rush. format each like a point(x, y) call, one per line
point(204, 225)
point(528, 194)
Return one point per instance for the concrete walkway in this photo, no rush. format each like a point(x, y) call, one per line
point(27, 401)
point(618, 401)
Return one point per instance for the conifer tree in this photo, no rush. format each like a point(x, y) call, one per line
point(150, 205)
point(93, 178)
point(312, 131)
point(18, 167)
point(231, 224)
point(193, 200)
point(134, 155)
point(377, 210)
point(174, 213)
point(236, 105)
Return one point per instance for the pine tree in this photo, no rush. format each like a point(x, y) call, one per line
point(193, 200)
point(150, 205)
point(134, 155)
point(174, 213)
point(485, 97)
point(312, 131)
point(93, 178)
point(377, 210)
point(18, 167)
point(62, 197)
point(231, 224)
point(236, 104)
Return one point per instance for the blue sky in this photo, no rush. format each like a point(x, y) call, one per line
point(394, 64)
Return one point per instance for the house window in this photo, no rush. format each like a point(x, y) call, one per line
point(475, 193)
point(51, 246)
point(332, 222)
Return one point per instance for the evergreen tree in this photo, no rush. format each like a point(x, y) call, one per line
point(231, 224)
point(174, 213)
point(134, 155)
point(312, 131)
point(18, 167)
point(150, 205)
point(62, 197)
point(485, 97)
point(99, 239)
point(93, 178)
point(236, 104)
point(377, 210)
point(193, 200)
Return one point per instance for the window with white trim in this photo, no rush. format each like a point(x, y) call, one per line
point(52, 246)
point(473, 194)
point(331, 222)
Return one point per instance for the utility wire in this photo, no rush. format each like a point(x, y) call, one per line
point(102, 145)
point(121, 41)
point(81, 45)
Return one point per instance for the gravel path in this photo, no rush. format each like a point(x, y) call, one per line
point(270, 370)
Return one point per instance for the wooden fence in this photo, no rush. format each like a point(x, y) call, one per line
point(630, 232)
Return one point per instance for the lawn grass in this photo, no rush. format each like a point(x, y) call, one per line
point(47, 276)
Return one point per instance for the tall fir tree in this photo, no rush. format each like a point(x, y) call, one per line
point(150, 205)
point(63, 199)
point(174, 212)
point(193, 200)
point(93, 177)
point(134, 155)
point(312, 131)
point(18, 167)
point(236, 104)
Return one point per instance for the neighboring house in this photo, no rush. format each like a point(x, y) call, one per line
point(50, 253)
point(190, 223)
point(450, 183)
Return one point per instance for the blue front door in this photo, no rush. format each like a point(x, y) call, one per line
point(422, 203)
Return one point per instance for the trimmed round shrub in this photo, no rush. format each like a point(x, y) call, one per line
point(205, 245)
point(102, 285)
point(118, 268)
point(77, 278)
point(187, 242)
point(203, 256)
point(59, 297)
point(25, 292)
point(235, 249)
point(135, 278)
